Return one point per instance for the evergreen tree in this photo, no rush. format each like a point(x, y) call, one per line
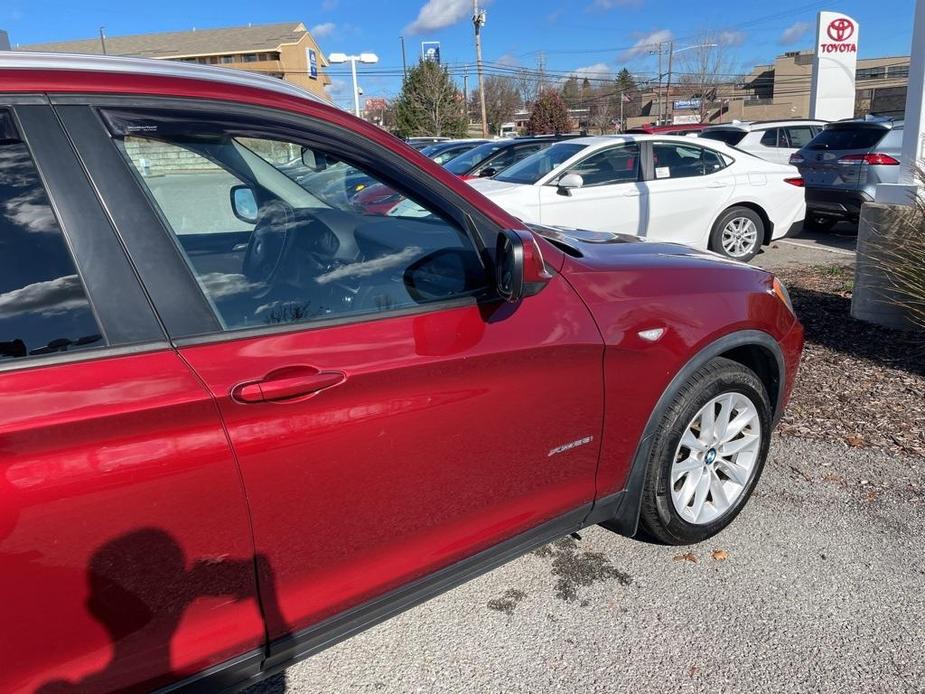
point(549, 115)
point(430, 104)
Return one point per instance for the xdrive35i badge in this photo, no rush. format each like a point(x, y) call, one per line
point(569, 446)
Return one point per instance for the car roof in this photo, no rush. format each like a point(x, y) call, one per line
point(748, 126)
point(18, 60)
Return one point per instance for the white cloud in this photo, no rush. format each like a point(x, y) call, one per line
point(48, 298)
point(336, 87)
point(646, 43)
point(319, 31)
point(596, 71)
point(794, 33)
point(508, 60)
point(439, 14)
point(731, 38)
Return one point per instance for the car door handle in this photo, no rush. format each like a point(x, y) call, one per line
point(718, 184)
point(289, 383)
point(631, 193)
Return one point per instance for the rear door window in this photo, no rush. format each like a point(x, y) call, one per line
point(773, 138)
point(44, 307)
point(799, 136)
point(684, 161)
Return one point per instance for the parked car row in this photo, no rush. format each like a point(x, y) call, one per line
point(703, 194)
point(244, 420)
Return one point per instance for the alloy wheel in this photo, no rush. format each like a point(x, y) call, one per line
point(739, 237)
point(716, 458)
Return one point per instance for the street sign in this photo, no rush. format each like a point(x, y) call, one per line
point(834, 67)
point(430, 50)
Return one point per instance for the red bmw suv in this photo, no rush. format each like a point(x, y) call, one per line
point(243, 421)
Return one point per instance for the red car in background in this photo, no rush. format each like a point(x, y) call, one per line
point(680, 129)
point(243, 422)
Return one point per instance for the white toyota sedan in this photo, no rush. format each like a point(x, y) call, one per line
point(703, 194)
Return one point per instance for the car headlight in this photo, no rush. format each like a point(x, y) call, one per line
point(780, 291)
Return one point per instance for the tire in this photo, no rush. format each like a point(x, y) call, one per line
point(738, 234)
point(819, 223)
point(730, 481)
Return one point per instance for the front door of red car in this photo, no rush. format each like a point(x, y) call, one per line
point(126, 560)
point(389, 416)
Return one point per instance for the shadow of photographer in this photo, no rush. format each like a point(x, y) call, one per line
point(139, 589)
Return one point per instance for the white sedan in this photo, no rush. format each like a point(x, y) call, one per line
point(703, 194)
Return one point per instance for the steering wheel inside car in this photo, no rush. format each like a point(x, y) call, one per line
point(267, 245)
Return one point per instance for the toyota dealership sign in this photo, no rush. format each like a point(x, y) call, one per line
point(834, 67)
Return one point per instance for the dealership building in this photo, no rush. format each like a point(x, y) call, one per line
point(780, 90)
point(286, 51)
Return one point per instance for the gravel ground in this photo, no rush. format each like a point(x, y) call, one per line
point(819, 586)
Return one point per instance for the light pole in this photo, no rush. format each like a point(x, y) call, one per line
point(367, 58)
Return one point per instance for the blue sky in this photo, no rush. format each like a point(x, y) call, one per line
point(593, 35)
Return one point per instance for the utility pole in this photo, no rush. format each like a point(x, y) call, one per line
point(658, 108)
point(478, 21)
point(466, 92)
point(103, 41)
point(669, 108)
point(404, 63)
point(541, 69)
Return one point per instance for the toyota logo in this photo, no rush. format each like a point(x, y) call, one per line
point(841, 29)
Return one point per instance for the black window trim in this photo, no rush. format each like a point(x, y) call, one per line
point(123, 314)
point(129, 207)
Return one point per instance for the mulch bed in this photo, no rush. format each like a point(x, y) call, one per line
point(859, 384)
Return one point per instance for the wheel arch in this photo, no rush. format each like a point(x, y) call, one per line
point(758, 210)
point(754, 349)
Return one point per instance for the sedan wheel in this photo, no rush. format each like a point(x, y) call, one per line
point(738, 234)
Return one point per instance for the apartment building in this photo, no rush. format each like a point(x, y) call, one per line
point(286, 50)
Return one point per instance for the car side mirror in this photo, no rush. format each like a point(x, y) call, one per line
point(519, 267)
point(444, 274)
point(244, 204)
point(488, 172)
point(569, 182)
point(316, 161)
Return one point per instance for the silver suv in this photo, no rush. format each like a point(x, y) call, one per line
point(842, 166)
point(771, 140)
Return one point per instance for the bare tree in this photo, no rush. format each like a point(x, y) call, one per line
point(706, 70)
point(603, 108)
point(528, 85)
point(502, 99)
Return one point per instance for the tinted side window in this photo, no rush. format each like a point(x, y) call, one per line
point(771, 138)
point(275, 241)
point(799, 136)
point(730, 137)
point(610, 166)
point(43, 305)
